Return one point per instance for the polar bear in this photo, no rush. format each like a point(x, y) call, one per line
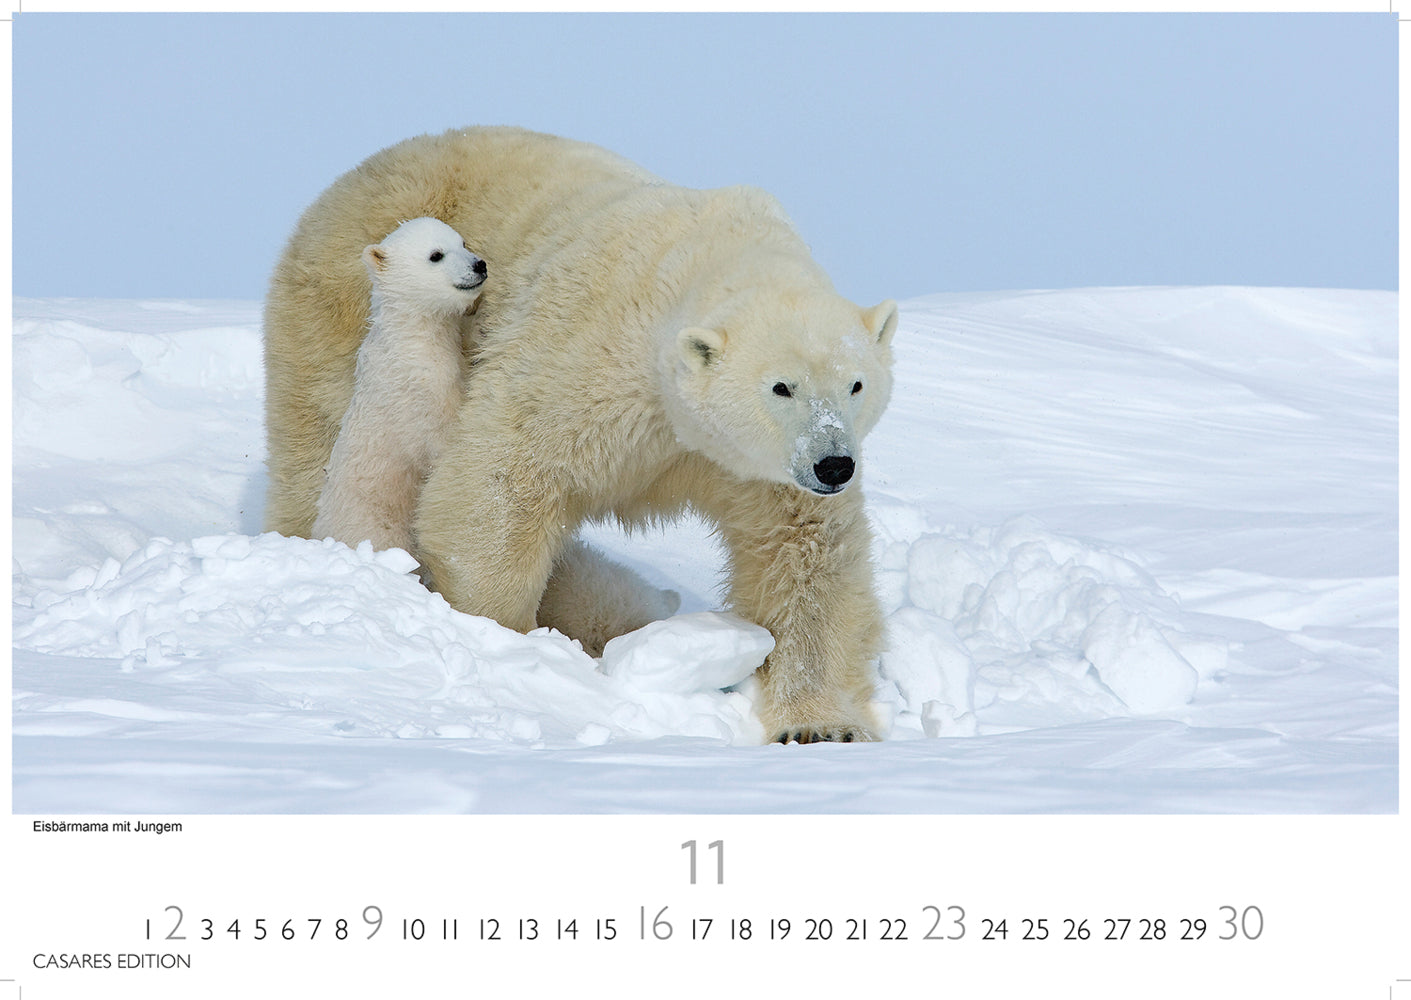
point(644, 350)
point(407, 384)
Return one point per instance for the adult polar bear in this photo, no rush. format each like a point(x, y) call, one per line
point(642, 349)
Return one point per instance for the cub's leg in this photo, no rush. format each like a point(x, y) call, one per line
point(369, 504)
point(372, 479)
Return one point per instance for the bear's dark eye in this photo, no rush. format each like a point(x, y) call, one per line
point(780, 389)
point(436, 255)
point(856, 388)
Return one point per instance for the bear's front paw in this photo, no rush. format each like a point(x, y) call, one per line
point(841, 733)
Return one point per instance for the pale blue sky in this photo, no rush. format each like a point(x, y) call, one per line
point(170, 155)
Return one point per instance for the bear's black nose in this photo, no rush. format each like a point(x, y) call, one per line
point(480, 268)
point(834, 470)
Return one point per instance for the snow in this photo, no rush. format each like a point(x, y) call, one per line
point(1136, 549)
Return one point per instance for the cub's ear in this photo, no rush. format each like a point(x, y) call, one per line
point(881, 321)
point(375, 258)
point(700, 346)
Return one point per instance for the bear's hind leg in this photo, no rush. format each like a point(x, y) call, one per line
point(593, 599)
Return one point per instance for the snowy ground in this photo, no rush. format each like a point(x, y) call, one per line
point(1137, 549)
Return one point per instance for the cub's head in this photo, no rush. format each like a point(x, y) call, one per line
point(426, 264)
point(785, 388)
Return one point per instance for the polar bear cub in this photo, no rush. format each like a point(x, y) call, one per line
point(408, 384)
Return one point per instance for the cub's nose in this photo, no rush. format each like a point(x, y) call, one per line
point(479, 267)
point(835, 470)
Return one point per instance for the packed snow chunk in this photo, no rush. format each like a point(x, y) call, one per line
point(942, 572)
point(594, 735)
point(1134, 659)
point(704, 651)
point(1015, 626)
point(933, 671)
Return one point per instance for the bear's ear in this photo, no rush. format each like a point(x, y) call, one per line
point(375, 258)
point(700, 346)
point(881, 321)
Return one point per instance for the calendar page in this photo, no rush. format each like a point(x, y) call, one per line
point(703, 502)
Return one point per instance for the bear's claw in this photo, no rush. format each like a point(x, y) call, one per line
point(824, 734)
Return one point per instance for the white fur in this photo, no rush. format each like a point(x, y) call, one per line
point(408, 384)
point(623, 366)
point(620, 601)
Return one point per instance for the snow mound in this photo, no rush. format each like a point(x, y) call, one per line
point(351, 641)
point(1028, 625)
point(140, 382)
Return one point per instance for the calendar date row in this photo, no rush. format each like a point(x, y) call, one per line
point(667, 923)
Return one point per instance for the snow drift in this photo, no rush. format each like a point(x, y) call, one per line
point(1136, 547)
